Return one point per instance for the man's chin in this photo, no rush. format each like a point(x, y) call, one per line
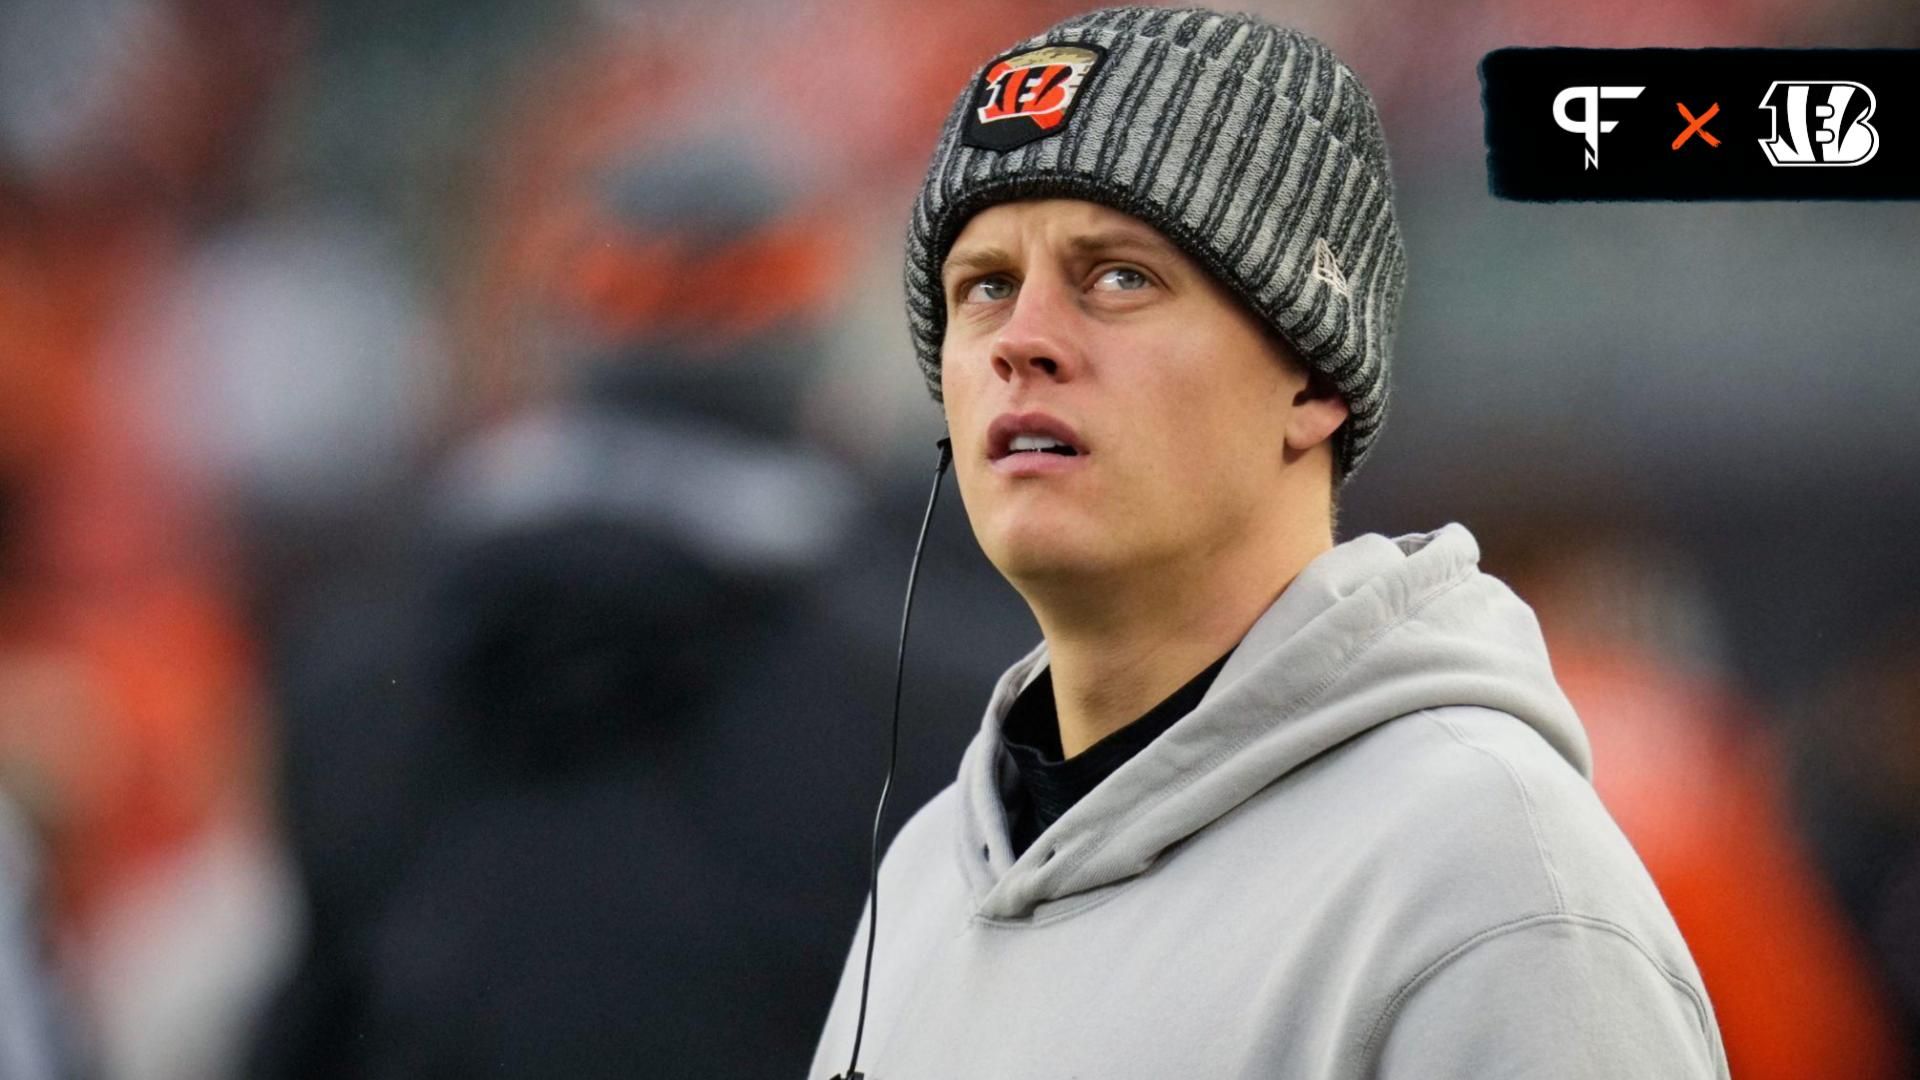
point(1052, 560)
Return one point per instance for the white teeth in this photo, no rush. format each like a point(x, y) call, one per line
point(1032, 442)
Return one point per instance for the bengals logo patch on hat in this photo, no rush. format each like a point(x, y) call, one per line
point(1028, 95)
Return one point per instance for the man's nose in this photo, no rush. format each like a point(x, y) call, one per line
point(1038, 340)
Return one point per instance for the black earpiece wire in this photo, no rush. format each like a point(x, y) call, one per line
point(893, 753)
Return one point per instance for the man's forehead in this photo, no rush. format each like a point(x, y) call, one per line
point(1072, 224)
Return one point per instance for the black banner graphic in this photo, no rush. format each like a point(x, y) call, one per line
point(1605, 124)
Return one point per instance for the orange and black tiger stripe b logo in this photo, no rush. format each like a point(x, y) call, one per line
point(1028, 95)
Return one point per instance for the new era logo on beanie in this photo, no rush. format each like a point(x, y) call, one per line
point(1249, 145)
point(1326, 268)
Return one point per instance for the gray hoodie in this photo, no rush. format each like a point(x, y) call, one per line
point(1370, 851)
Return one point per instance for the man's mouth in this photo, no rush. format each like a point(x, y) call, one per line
point(1040, 444)
point(1032, 433)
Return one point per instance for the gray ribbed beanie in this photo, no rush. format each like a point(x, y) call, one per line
point(1251, 146)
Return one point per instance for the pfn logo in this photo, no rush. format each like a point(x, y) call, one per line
point(1826, 124)
point(1590, 124)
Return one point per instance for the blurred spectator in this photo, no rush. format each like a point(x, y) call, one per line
point(1687, 769)
point(1860, 784)
point(610, 853)
point(125, 675)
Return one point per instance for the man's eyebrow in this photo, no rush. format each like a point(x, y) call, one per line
point(971, 260)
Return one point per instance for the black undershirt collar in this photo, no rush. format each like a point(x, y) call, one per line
point(1050, 785)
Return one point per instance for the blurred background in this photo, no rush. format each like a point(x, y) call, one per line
point(459, 464)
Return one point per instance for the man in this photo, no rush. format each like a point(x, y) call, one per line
point(1259, 805)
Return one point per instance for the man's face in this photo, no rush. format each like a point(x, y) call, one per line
point(1072, 323)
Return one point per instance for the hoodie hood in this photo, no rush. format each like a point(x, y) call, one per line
point(1373, 629)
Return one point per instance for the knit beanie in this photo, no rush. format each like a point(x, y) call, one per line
point(1249, 145)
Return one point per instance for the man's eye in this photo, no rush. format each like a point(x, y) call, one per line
point(988, 290)
point(1121, 279)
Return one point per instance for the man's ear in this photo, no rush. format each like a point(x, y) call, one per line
point(1317, 412)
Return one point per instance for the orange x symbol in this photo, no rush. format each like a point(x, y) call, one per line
point(1697, 125)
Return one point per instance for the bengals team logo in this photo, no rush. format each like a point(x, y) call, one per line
point(1028, 95)
point(1825, 123)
